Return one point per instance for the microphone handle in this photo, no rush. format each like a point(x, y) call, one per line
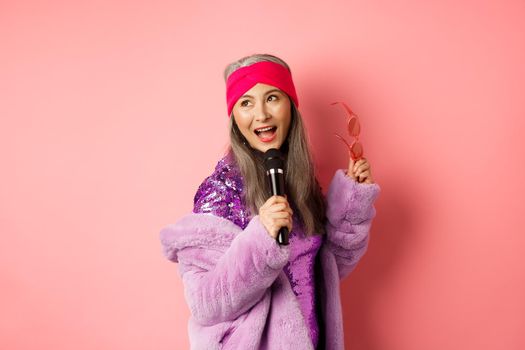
point(277, 188)
point(282, 236)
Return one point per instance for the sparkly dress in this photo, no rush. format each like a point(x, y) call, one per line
point(220, 194)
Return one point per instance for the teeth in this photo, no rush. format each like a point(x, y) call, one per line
point(265, 129)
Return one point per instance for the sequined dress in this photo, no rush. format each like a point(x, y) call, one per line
point(220, 194)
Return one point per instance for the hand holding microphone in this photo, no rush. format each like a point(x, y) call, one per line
point(276, 214)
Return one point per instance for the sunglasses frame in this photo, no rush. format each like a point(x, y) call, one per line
point(353, 122)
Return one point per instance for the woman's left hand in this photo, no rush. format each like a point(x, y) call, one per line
point(360, 171)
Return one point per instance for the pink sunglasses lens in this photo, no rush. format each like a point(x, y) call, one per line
point(354, 128)
point(357, 150)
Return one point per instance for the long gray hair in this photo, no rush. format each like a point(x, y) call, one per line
point(302, 187)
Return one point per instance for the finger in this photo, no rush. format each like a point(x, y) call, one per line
point(351, 163)
point(288, 224)
point(277, 207)
point(361, 168)
point(279, 199)
point(282, 223)
point(287, 210)
point(272, 200)
point(364, 175)
point(359, 163)
point(350, 170)
point(280, 215)
point(269, 205)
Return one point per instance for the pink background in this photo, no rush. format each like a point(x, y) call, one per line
point(112, 113)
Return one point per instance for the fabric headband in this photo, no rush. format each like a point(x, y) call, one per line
point(265, 72)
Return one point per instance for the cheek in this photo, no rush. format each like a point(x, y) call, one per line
point(242, 121)
point(284, 112)
point(244, 129)
point(286, 122)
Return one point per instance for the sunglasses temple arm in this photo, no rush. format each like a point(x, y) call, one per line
point(348, 110)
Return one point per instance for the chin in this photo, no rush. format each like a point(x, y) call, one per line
point(264, 148)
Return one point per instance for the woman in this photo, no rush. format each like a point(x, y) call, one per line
point(244, 290)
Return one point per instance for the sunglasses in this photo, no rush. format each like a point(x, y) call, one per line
point(355, 149)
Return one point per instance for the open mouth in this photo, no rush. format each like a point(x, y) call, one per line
point(267, 133)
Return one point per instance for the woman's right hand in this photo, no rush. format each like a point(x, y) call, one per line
point(276, 213)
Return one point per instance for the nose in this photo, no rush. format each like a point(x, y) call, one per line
point(261, 112)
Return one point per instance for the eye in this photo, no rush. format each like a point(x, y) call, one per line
point(242, 103)
point(272, 95)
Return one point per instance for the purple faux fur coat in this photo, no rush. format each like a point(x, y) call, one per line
point(235, 286)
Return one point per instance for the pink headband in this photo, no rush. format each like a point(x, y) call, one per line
point(265, 72)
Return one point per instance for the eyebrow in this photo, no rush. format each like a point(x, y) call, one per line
point(267, 92)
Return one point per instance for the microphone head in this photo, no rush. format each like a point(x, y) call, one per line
point(273, 159)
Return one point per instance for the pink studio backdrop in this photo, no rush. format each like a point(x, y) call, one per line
point(113, 112)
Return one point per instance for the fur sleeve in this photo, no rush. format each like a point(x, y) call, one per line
point(350, 211)
point(225, 270)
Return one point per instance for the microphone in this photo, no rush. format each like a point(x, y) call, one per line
point(274, 164)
